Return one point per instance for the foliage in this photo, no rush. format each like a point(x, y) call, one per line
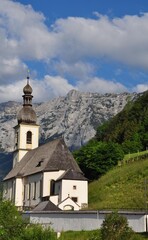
point(96, 158)
point(80, 235)
point(11, 222)
point(126, 133)
point(129, 127)
point(115, 227)
point(14, 227)
point(37, 232)
point(91, 235)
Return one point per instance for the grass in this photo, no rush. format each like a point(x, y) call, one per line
point(79, 235)
point(90, 235)
point(137, 156)
point(121, 188)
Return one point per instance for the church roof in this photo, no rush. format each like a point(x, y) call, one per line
point(52, 156)
point(27, 115)
point(71, 174)
point(46, 206)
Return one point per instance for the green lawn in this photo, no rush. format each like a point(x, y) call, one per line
point(90, 235)
point(121, 188)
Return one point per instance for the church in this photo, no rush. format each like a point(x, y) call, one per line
point(45, 177)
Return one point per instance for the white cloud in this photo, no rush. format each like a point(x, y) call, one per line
point(79, 69)
point(141, 87)
point(102, 86)
point(71, 44)
point(45, 89)
point(123, 39)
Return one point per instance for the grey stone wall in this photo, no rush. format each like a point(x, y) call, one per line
point(83, 220)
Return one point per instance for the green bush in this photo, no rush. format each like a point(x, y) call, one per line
point(115, 227)
point(37, 232)
point(11, 222)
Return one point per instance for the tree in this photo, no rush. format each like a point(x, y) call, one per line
point(14, 227)
point(115, 227)
point(96, 158)
point(11, 222)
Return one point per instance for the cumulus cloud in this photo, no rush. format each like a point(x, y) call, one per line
point(72, 45)
point(45, 89)
point(79, 69)
point(141, 87)
point(102, 86)
point(123, 39)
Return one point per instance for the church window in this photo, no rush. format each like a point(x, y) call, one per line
point(29, 137)
point(29, 191)
point(52, 186)
point(39, 163)
point(24, 197)
point(41, 188)
point(16, 138)
point(34, 190)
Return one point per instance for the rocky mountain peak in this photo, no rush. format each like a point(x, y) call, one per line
point(75, 117)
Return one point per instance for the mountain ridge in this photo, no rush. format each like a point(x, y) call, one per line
point(75, 117)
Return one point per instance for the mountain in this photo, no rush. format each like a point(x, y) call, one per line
point(75, 117)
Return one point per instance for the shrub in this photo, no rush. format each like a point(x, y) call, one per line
point(37, 232)
point(115, 227)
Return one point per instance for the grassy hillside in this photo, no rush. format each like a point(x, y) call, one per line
point(121, 188)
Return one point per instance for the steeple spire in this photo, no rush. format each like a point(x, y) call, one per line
point(27, 114)
point(28, 76)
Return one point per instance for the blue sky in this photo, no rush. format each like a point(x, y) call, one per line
point(87, 45)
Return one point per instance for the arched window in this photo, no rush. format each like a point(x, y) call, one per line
point(29, 137)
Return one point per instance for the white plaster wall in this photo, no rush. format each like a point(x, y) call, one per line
point(54, 199)
point(18, 156)
point(67, 203)
point(47, 177)
point(22, 147)
point(81, 191)
point(36, 178)
point(22, 136)
point(18, 192)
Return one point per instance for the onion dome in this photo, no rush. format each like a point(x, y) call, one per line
point(27, 114)
point(27, 89)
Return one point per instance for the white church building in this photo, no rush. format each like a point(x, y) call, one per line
point(45, 177)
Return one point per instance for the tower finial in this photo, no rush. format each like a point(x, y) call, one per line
point(28, 76)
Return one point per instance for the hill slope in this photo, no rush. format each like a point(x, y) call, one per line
point(124, 187)
point(129, 127)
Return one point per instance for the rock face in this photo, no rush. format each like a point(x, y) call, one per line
point(74, 117)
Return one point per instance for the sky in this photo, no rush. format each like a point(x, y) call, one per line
point(88, 45)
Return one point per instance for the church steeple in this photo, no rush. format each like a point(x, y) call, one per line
point(27, 114)
point(27, 130)
point(27, 97)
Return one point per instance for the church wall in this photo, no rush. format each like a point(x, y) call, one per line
point(47, 177)
point(7, 190)
point(77, 190)
point(18, 192)
point(32, 190)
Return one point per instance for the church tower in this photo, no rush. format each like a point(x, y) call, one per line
point(26, 131)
